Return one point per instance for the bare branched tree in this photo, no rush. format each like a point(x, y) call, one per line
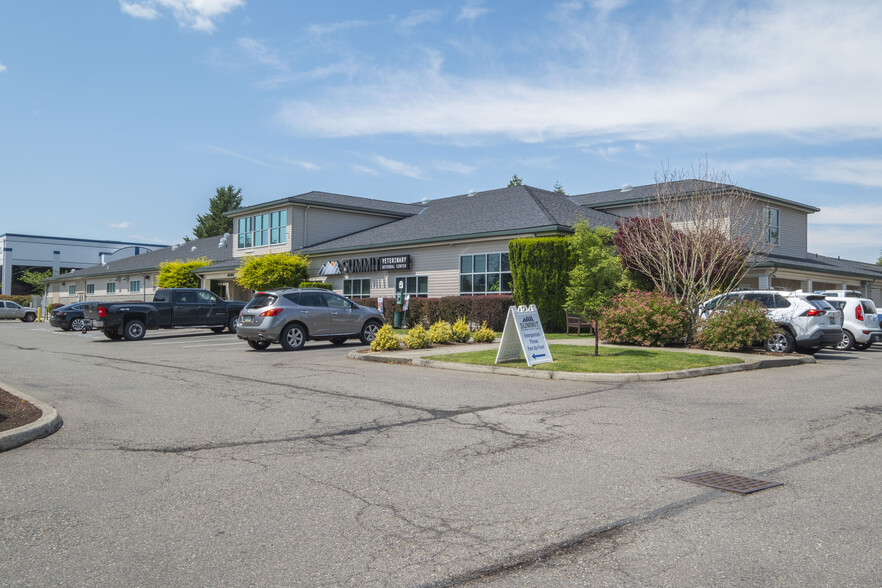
point(694, 237)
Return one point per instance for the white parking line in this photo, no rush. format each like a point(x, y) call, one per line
point(214, 344)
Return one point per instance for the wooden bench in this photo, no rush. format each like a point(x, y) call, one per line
point(576, 322)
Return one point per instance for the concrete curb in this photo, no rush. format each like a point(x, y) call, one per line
point(750, 362)
point(48, 423)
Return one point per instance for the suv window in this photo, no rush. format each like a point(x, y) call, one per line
point(334, 301)
point(764, 298)
point(292, 297)
point(312, 299)
point(261, 300)
point(821, 304)
point(840, 304)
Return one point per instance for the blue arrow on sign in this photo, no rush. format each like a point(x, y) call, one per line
point(540, 355)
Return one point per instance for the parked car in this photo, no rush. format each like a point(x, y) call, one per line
point(68, 317)
point(808, 323)
point(13, 310)
point(292, 316)
point(171, 308)
point(860, 327)
point(841, 293)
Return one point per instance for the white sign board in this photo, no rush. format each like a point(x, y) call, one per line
point(523, 336)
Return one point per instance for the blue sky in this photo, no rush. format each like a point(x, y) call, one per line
point(119, 119)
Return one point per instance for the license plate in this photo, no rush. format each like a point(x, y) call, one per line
point(246, 319)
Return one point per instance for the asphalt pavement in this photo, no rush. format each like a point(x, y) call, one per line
point(189, 459)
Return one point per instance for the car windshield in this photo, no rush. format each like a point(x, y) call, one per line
point(261, 300)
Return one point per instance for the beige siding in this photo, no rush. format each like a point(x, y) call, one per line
point(793, 231)
point(323, 224)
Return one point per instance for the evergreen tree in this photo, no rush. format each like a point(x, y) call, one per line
point(214, 222)
point(559, 189)
point(515, 181)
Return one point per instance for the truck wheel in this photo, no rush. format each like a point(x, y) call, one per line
point(293, 337)
point(233, 324)
point(134, 331)
point(781, 342)
point(369, 332)
point(29, 318)
point(112, 335)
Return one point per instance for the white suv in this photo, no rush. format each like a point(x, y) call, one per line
point(808, 323)
point(860, 327)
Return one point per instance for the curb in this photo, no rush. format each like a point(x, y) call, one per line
point(749, 363)
point(48, 423)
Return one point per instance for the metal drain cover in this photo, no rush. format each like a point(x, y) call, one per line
point(730, 482)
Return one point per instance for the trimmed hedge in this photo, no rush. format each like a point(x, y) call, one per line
point(427, 311)
point(540, 272)
point(324, 285)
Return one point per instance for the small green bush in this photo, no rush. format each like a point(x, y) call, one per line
point(324, 285)
point(417, 338)
point(485, 334)
point(440, 332)
point(460, 332)
point(386, 340)
point(20, 299)
point(650, 319)
point(738, 326)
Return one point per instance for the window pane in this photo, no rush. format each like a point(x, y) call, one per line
point(493, 262)
point(356, 287)
point(465, 264)
point(493, 283)
point(366, 287)
point(505, 267)
point(71, 290)
point(465, 284)
point(423, 285)
point(506, 283)
point(480, 283)
point(410, 286)
point(480, 263)
point(347, 287)
point(283, 218)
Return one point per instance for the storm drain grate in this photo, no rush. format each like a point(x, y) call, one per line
point(730, 482)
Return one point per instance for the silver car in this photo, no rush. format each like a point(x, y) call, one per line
point(293, 316)
point(12, 310)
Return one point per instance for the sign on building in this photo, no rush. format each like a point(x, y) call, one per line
point(523, 336)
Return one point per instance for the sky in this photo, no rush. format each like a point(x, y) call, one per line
point(119, 119)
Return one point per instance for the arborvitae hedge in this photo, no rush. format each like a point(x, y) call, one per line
point(540, 272)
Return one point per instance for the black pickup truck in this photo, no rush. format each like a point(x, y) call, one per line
point(171, 308)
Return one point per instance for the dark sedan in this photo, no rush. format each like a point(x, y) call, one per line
point(68, 318)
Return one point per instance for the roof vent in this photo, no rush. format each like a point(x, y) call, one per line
point(627, 188)
point(472, 193)
point(424, 201)
point(175, 247)
point(193, 248)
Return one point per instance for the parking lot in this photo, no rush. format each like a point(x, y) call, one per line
point(189, 459)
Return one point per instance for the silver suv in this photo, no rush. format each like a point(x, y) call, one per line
point(808, 323)
point(860, 327)
point(292, 316)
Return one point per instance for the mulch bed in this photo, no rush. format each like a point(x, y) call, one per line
point(15, 412)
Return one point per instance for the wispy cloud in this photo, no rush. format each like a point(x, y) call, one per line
point(420, 17)
point(855, 171)
point(363, 169)
point(2, 68)
point(850, 214)
point(199, 15)
point(259, 52)
point(727, 71)
point(120, 225)
point(326, 29)
point(472, 11)
point(307, 165)
point(228, 153)
point(455, 167)
point(398, 167)
point(850, 242)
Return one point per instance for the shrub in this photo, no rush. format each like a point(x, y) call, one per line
point(324, 285)
point(386, 340)
point(740, 325)
point(540, 272)
point(20, 299)
point(440, 332)
point(485, 334)
point(417, 338)
point(426, 311)
point(271, 271)
point(179, 274)
point(53, 306)
point(460, 332)
point(650, 319)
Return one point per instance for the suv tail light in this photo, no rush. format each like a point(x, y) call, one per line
point(859, 312)
point(102, 312)
point(271, 312)
point(814, 312)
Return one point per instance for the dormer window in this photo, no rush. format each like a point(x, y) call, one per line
point(770, 225)
point(262, 229)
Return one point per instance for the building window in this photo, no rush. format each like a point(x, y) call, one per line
point(263, 229)
point(360, 288)
point(111, 287)
point(134, 285)
point(770, 221)
point(90, 288)
point(484, 273)
point(413, 285)
point(71, 290)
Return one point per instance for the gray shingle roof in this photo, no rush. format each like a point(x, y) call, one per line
point(396, 209)
point(834, 265)
point(506, 210)
point(149, 262)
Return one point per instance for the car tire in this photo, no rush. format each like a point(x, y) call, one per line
point(134, 330)
point(369, 332)
point(258, 345)
point(293, 337)
point(64, 327)
point(217, 329)
point(29, 318)
point(847, 341)
point(338, 340)
point(112, 335)
point(76, 324)
point(233, 323)
point(808, 350)
point(781, 342)
point(862, 346)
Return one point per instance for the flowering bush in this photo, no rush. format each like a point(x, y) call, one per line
point(386, 340)
point(485, 334)
point(460, 332)
point(417, 338)
point(650, 319)
point(440, 332)
point(740, 325)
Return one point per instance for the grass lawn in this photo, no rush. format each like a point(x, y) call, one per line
point(573, 358)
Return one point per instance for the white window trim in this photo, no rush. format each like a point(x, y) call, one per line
point(472, 273)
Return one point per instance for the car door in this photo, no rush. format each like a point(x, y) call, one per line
point(4, 313)
point(184, 309)
point(314, 313)
point(343, 319)
point(210, 308)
